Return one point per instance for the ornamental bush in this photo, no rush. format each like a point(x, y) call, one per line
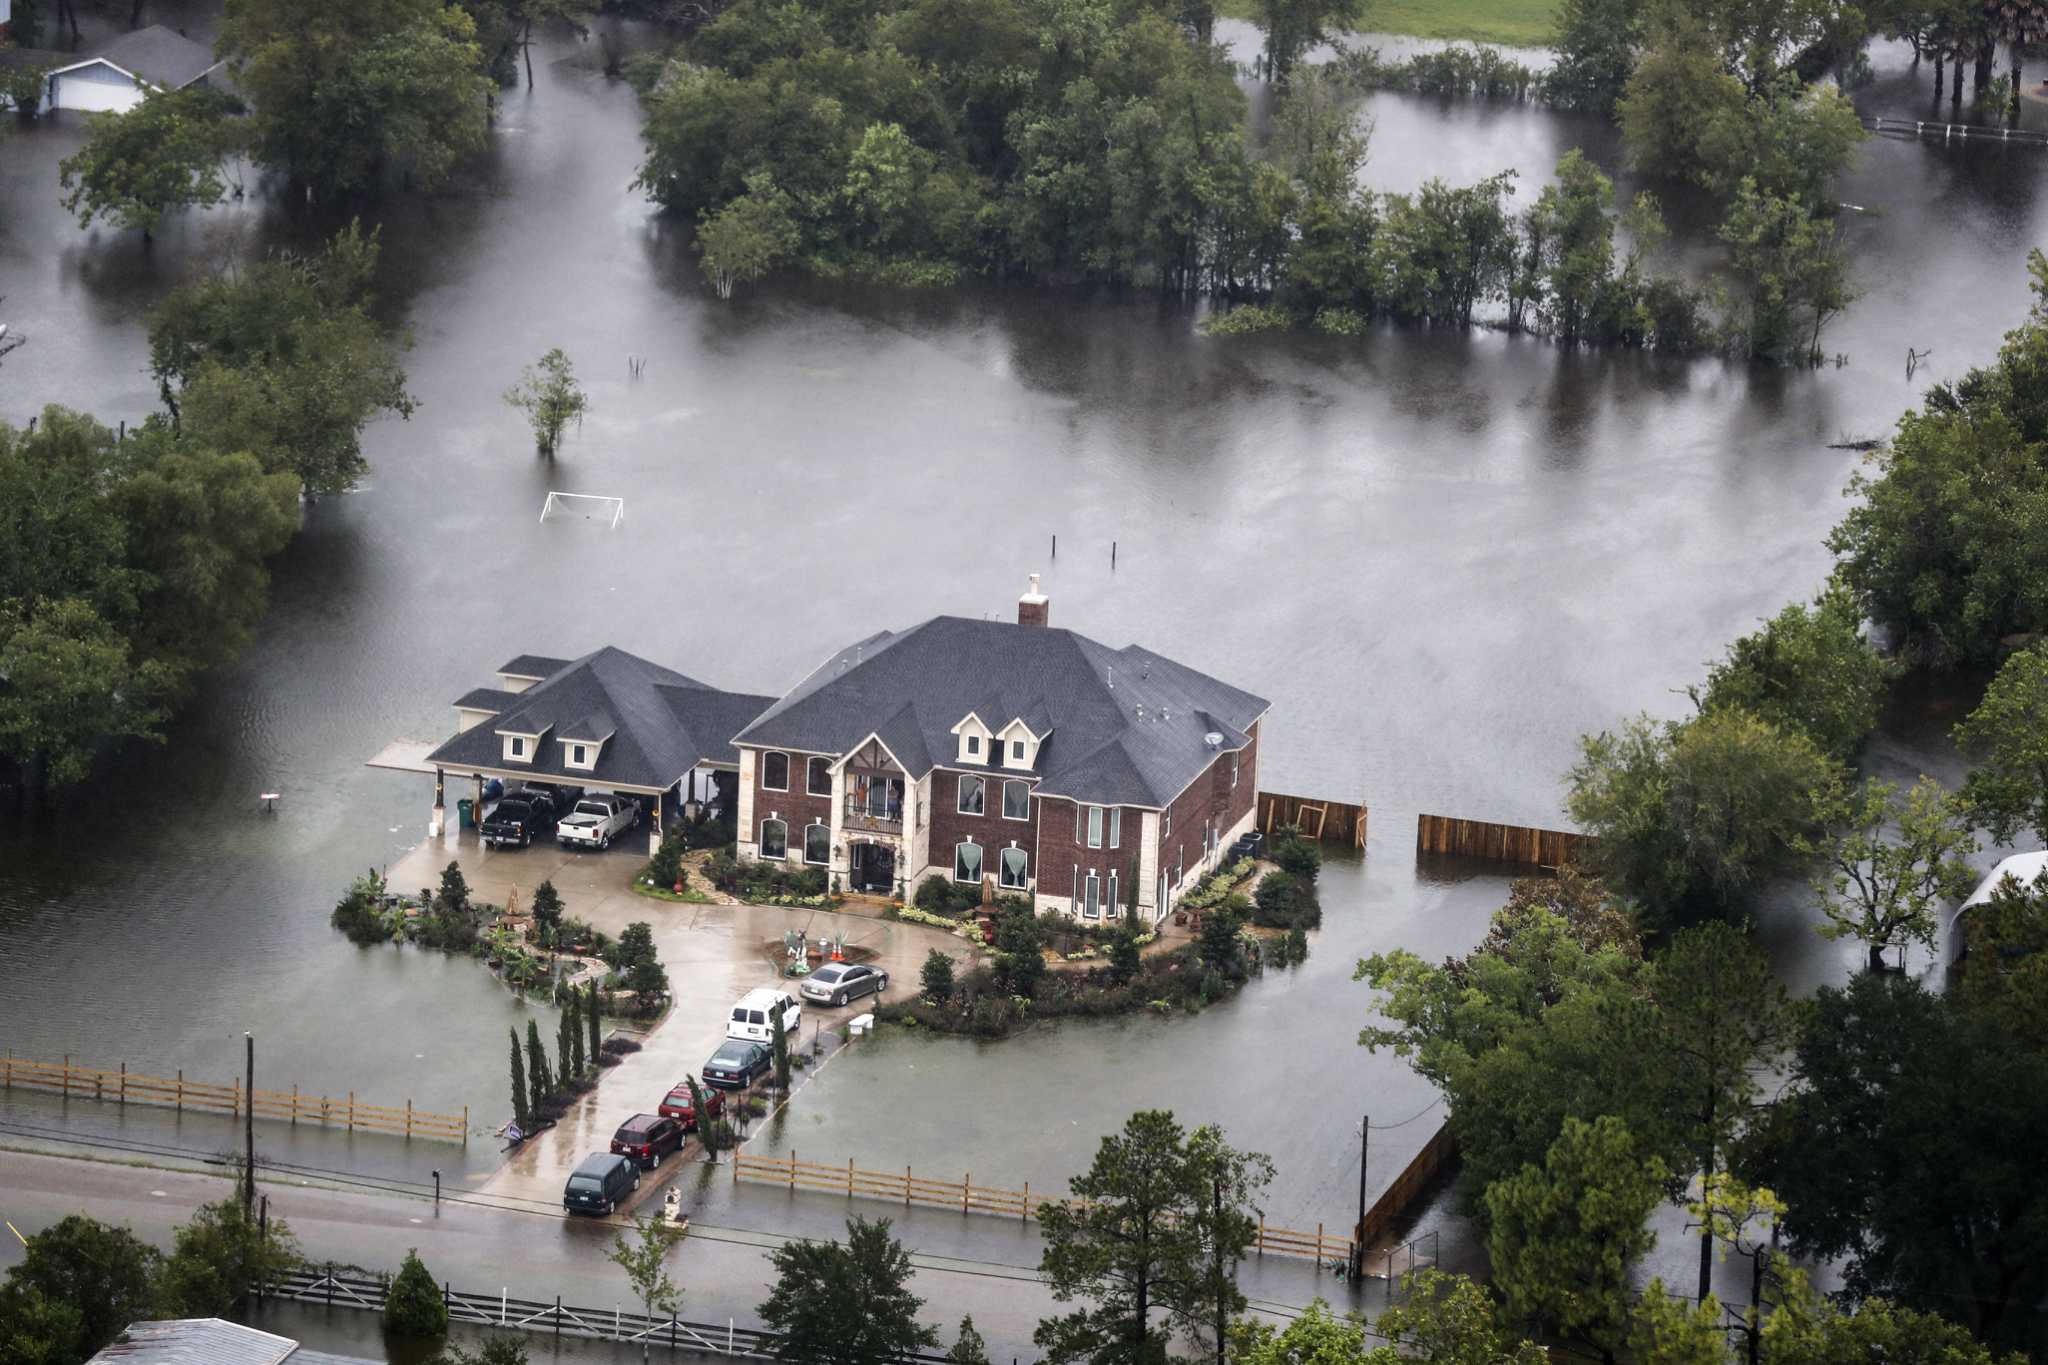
point(1285, 900)
point(943, 896)
point(414, 1309)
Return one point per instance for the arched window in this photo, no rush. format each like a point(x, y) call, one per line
point(775, 839)
point(818, 777)
point(817, 843)
point(967, 863)
point(1015, 868)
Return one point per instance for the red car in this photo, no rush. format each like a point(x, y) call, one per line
point(647, 1138)
point(677, 1105)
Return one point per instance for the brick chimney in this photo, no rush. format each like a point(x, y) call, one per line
point(1033, 608)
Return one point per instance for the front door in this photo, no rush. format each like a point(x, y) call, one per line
point(874, 868)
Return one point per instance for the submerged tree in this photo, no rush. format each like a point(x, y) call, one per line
point(645, 1261)
point(1885, 888)
point(848, 1304)
point(551, 398)
point(165, 153)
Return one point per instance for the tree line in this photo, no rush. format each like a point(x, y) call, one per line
point(133, 560)
point(1605, 1049)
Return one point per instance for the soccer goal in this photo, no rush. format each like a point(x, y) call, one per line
point(589, 506)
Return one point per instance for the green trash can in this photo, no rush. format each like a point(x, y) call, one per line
point(465, 813)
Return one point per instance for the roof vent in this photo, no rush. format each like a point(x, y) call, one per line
point(1141, 710)
point(1213, 740)
point(1034, 608)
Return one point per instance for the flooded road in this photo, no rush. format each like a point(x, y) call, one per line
point(1441, 555)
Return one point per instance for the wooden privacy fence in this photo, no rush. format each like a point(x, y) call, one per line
point(1501, 843)
point(1332, 822)
point(1395, 1199)
point(75, 1080)
point(906, 1187)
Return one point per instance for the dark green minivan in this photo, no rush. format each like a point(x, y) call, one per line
point(600, 1183)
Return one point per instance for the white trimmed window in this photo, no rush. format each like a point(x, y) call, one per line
point(1014, 867)
point(817, 843)
point(1016, 800)
point(1116, 826)
point(1109, 901)
point(775, 772)
point(1016, 751)
point(775, 839)
point(1091, 906)
point(967, 863)
point(818, 777)
point(517, 746)
point(1233, 769)
point(974, 744)
point(576, 759)
point(1166, 822)
point(1095, 827)
point(972, 796)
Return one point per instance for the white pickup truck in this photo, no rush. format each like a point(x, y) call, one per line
point(596, 821)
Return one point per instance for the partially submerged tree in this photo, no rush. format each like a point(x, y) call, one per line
point(645, 1261)
point(551, 398)
point(1885, 888)
point(747, 238)
point(2007, 737)
point(845, 1304)
point(414, 1309)
point(165, 153)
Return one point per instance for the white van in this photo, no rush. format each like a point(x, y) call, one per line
point(753, 1017)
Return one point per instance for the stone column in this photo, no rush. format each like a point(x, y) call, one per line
point(437, 822)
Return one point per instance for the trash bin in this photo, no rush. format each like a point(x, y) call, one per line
point(465, 813)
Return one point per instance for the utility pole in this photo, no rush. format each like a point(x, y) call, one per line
point(249, 1128)
point(1358, 1234)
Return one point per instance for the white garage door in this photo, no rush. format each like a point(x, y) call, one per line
point(81, 91)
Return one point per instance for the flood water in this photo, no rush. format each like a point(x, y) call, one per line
point(1442, 555)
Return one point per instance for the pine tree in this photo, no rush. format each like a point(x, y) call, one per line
point(521, 1114)
point(594, 1013)
point(413, 1307)
point(538, 1083)
point(779, 1046)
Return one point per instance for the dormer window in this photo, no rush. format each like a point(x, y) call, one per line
point(517, 747)
point(974, 744)
point(576, 758)
point(1017, 751)
point(970, 733)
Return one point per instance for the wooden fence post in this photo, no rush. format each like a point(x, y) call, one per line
point(849, 1177)
point(792, 1168)
point(966, 1184)
point(465, 1127)
point(295, 1104)
point(408, 1120)
point(351, 1111)
point(181, 1090)
point(906, 1185)
point(67, 1076)
point(124, 1085)
point(1024, 1206)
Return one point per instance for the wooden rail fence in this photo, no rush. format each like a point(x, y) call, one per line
point(1501, 843)
point(1395, 1199)
point(75, 1080)
point(1954, 132)
point(1334, 822)
point(964, 1195)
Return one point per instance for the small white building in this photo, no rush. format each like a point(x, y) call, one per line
point(116, 77)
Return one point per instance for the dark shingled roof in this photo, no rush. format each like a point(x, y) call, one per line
point(661, 724)
point(160, 56)
point(533, 666)
point(487, 699)
point(912, 688)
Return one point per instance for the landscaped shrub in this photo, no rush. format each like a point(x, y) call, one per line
point(665, 868)
point(766, 883)
point(937, 977)
point(1286, 900)
point(1302, 857)
point(619, 1047)
point(360, 914)
point(942, 896)
point(414, 1309)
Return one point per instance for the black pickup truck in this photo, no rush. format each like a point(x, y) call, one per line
point(528, 812)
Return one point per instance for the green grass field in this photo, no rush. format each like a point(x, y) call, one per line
point(1513, 23)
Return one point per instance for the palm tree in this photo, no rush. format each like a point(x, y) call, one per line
point(2016, 23)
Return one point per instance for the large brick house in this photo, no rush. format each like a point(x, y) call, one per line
point(1021, 758)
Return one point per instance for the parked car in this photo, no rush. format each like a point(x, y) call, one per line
point(647, 1138)
point(678, 1106)
point(835, 983)
point(514, 821)
point(1250, 844)
point(596, 821)
point(600, 1183)
point(753, 1015)
point(738, 1064)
